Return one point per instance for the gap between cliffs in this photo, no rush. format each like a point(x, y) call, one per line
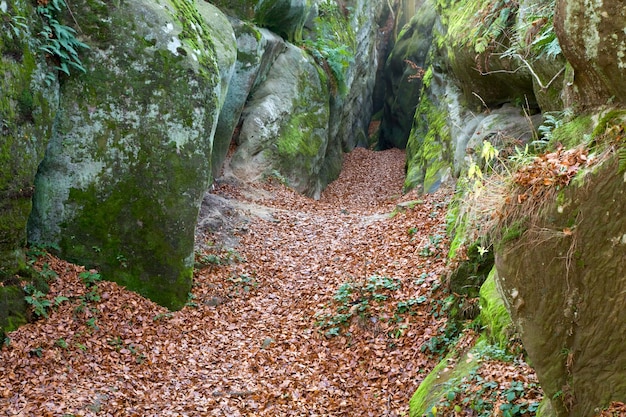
point(299, 307)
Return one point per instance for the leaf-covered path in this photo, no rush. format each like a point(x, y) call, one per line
point(321, 310)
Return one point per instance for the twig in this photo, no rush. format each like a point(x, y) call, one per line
point(530, 68)
point(67, 4)
point(482, 101)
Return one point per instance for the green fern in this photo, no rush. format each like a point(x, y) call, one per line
point(60, 40)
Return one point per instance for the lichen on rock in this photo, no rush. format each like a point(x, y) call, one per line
point(129, 161)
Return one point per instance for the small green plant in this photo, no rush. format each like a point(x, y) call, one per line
point(90, 278)
point(354, 299)
point(551, 121)
point(226, 257)
point(61, 343)
point(408, 305)
point(243, 282)
point(190, 300)
point(92, 323)
point(163, 316)
point(59, 41)
point(276, 175)
point(431, 247)
point(37, 300)
point(38, 351)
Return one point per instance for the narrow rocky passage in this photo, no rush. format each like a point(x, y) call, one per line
point(323, 309)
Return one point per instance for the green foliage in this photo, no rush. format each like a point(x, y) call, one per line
point(223, 257)
point(332, 45)
point(61, 343)
point(58, 40)
point(551, 121)
point(476, 394)
point(431, 247)
point(353, 300)
point(190, 301)
point(37, 300)
point(495, 22)
point(90, 278)
point(243, 282)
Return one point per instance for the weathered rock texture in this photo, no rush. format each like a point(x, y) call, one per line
point(564, 281)
point(285, 125)
point(404, 79)
point(27, 109)
point(257, 49)
point(129, 161)
point(593, 38)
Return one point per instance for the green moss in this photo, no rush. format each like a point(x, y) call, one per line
point(132, 241)
point(444, 378)
point(574, 132)
point(27, 110)
point(493, 313)
point(429, 152)
point(430, 389)
point(13, 308)
point(298, 137)
point(512, 232)
point(611, 118)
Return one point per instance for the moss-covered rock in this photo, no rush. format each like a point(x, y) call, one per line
point(493, 313)
point(129, 161)
point(241, 9)
point(429, 149)
point(478, 32)
point(403, 79)
point(563, 280)
point(285, 17)
point(593, 38)
point(470, 274)
point(257, 50)
point(28, 104)
point(285, 126)
point(13, 309)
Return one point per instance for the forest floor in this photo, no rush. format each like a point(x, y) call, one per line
point(299, 308)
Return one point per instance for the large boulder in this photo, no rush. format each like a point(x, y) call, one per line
point(403, 78)
point(28, 105)
point(563, 278)
point(592, 35)
point(285, 124)
point(129, 161)
point(257, 49)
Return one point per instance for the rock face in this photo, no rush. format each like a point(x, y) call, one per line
point(27, 109)
point(565, 292)
point(257, 49)
point(474, 91)
point(311, 105)
point(129, 161)
point(285, 125)
point(403, 80)
point(592, 35)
